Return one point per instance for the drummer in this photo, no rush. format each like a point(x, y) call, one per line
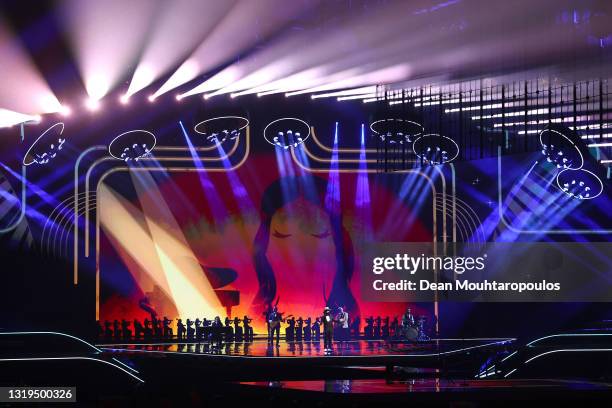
point(408, 319)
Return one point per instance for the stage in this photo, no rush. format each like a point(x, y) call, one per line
point(356, 373)
point(431, 391)
point(439, 353)
point(426, 183)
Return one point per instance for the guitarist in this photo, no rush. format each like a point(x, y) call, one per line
point(274, 319)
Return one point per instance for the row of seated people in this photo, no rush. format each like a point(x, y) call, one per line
point(205, 329)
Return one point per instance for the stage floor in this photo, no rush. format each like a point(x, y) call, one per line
point(423, 385)
point(262, 349)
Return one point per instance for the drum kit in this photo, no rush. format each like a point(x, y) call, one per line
point(412, 330)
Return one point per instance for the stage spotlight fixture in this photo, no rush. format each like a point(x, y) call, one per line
point(92, 104)
point(396, 130)
point(65, 110)
point(178, 97)
point(560, 146)
point(124, 99)
point(151, 98)
point(97, 87)
point(287, 132)
point(580, 184)
point(218, 130)
point(435, 149)
point(46, 146)
point(132, 145)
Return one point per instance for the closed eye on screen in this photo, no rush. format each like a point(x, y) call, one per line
point(280, 234)
point(322, 235)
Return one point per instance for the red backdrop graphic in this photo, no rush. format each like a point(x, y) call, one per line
point(253, 226)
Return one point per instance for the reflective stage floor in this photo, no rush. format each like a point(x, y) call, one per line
point(311, 349)
point(422, 385)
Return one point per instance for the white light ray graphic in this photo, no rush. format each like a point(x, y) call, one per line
point(9, 118)
point(107, 37)
point(187, 20)
point(22, 87)
point(237, 25)
point(333, 50)
point(354, 91)
point(381, 76)
point(125, 226)
point(352, 97)
point(191, 291)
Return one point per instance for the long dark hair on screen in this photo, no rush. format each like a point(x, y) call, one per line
point(278, 194)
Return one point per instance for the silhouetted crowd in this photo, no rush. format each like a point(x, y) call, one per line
point(214, 330)
point(236, 329)
point(375, 328)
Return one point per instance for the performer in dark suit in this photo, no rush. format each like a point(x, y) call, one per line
point(248, 329)
point(125, 329)
point(206, 328)
point(299, 326)
point(377, 327)
point(385, 327)
point(108, 332)
point(394, 327)
point(198, 329)
point(316, 329)
point(290, 329)
point(237, 329)
point(369, 327)
point(167, 331)
point(274, 319)
point(100, 330)
point(328, 330)
point(229, 330)
point(180, 329)
point(190, 329)
point(216, 332)
point(138, 329)
point(116, 330)
point(307, 329)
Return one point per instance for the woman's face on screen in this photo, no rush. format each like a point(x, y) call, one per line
point(301, 252)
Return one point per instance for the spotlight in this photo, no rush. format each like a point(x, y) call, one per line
point(435, 149)
point(562, 147)
point(396, 130)
point(132, 145)
point(286, 132)
point(233, 95)
point(65, 111)
point(92, 104)
point(124, 99)
point(207, 96)
point(580, 184)
point(179, 97)
point(218, 130)
point(97, 87)
point(151, 98)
